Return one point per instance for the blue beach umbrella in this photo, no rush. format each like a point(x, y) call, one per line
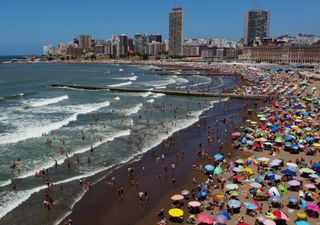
point(288, 172)
point(293, 169)
point(293, 199)
point(251, 206)
point(276, 198)
point(301, 222)
point(303, 204)
point(309, 139)
point(234, 203)
point(209, 168)
point(201, 194)
point(225, 213)
point(218, 157)
point(316, 167)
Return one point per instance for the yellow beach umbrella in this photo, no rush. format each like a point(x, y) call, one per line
point(249, 171)
point(316, 145)
point(175, 212)
point(301, 215)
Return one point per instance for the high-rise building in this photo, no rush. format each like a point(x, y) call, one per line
point(85, 41)
point(154, 37)
point(176, 32)
point(257, 24)
point(140, 43)
point(120, 45)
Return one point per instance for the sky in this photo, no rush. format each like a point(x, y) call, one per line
point(27, 25)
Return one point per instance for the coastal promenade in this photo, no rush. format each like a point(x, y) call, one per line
point(166, 92)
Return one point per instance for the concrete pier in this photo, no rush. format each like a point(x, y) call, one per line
point(166, 92)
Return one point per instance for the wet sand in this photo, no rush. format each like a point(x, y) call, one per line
point(101, 204)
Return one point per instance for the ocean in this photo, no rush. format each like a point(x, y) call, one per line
point(119, 127)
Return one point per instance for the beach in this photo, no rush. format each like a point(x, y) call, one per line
point(145, 212)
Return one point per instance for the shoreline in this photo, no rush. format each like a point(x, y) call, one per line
point(92, 198)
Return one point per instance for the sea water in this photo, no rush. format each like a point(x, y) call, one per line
point(31, 113)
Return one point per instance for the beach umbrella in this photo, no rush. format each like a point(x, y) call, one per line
point(252, 161)
point(301, 222)
point(209, 168)
point(225, 213)
point(218, 156)
point(313, 175)
point(239, 161)
point(232, 186)
point(251, 206)
point(243, 224)
point(283, 189)
point(237, 170)
point(293, 199)
point(273, 191)
point(313, 207)
point(289, 164)
point(301, 215)
point(175, 212)
point(310, 186)
point(294, 183)
point(185, 192)
point(249, 170)
point(263, 159)
point(201, 194)
point(259, 179)
point(280, 215)
point(303, 203)
point(269, 222)
point(234, 193)
point(293, 169)
point(217, 171)
point(206, 219)
point(316, 167)
point(234, 203)
point(236, 134)
point(307, 170)
point(309, 139)
point(219, 196)
point(288, 172)
point(255, 185)
point(177, 197)
point(221, 219)
point(194, 204)
point(276, 198)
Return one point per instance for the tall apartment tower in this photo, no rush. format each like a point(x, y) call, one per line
point(176, 32)
point(85, 41)
point(120, 45)
point(257, 24)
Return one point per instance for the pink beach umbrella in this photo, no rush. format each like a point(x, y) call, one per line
point(269, 222)
point(310, 186)
point(313, 207)
point(194, 204)
point(177, 197)
point(205, 219)
point(255, 185)
point(236, 134)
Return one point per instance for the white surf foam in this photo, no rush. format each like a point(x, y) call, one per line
point(133, 110)
point(133, 78)
point(117, 98)
point(121, 84)
point(151, 100)
point(157, 95)
point(24, 133)
point(61, 159)
point(11, 200)
point(46, 101)
point(180, 80)
point(158, 83)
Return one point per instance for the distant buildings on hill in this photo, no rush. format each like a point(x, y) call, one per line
point(256, 45)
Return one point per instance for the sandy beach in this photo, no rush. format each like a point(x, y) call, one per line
point(189, 150)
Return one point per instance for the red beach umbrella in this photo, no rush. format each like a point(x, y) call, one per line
point(280, 215)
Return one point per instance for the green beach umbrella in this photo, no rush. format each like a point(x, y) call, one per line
point(217, 171)
point(283, 189)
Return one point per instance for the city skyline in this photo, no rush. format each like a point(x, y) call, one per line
point(37, 24)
